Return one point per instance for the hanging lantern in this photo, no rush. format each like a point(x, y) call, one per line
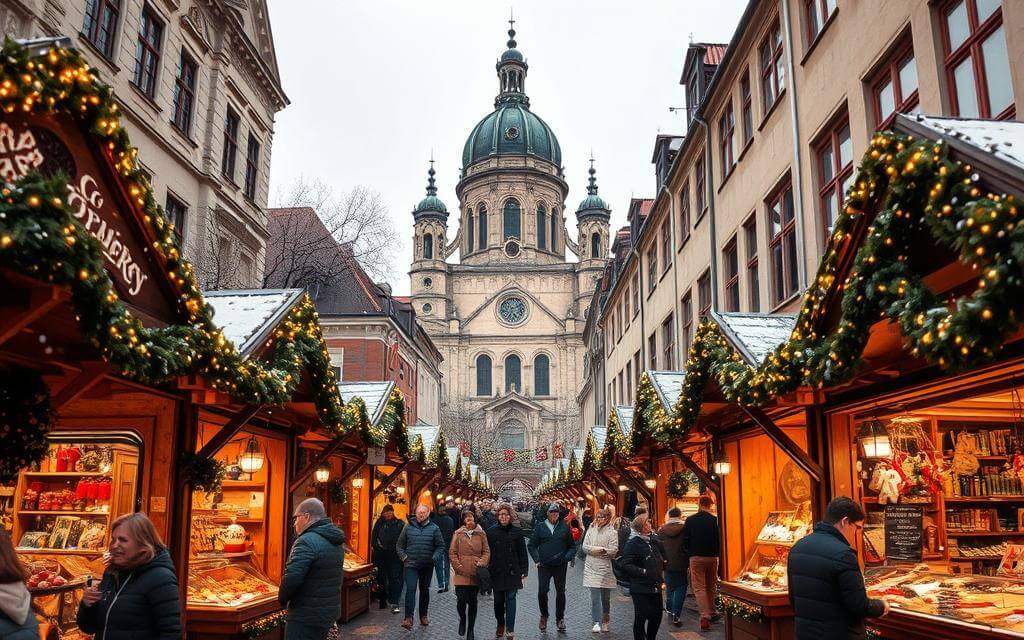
point(874, 439)
point(623, 487)
point(252, 457)
point(357, 483)
point(722, 466)
point(400, 490)
point(650, 482)
point(322, 473)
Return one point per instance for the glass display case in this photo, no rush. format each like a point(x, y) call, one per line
point(227, 581)
point(990, 602)
point(765, 569)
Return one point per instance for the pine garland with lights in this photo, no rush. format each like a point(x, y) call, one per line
point(738, 608)
point(40, 238)
point(337, 490)
point(264, 625)
point(679, 482)
point(25, 419)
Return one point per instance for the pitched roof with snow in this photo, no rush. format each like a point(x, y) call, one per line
point(247, 316)
point(755, 335)
point(428, 432)
point(453, 457)
point(1003, 139)
point(374, 394)
point(624, 415)
point(600, 433)
point(668, 385)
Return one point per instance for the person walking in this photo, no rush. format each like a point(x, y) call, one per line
point(418, 546)
point(453, 511)
point(623, 528)
point(469, 551)
point(600, 545)
point(313, 574)
point(642, 561)
point(488, 518)
point(384, 537)
point(551, 548)
point(826, 588)
point(442, 565)
point(701, 543)
point(138, 594)
point(509, 567)
point(676, 564)
point(17, 620)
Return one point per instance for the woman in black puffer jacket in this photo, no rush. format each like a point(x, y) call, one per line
point(643, 562)
point(138, 596)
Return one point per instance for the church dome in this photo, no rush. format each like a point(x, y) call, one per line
point(593, 204)
point(430, 206)
point(511, 129)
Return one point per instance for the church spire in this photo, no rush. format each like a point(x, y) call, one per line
point(511, 72)
point(592, 186)
point(431, 188)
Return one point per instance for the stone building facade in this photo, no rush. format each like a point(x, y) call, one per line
point(508, 314)
point(198, 85)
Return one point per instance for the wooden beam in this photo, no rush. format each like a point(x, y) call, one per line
point(786, 443)
point(387, 481)
point(320, 458)
point(703, 475)
point(638, 486)
point(228, 431)
point(90, 374)
point(38, 303)
point(425, 481)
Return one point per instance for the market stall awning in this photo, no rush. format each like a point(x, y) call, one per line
point(426, 432)
point(754, 335)
point(373, 394)
point(247, 317)
point(668, 385)
point(624, 415)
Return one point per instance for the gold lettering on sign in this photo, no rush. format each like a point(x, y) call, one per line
point(85, 201)
point(18, 152)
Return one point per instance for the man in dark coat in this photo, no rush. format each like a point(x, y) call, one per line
point(311, 583)
point(826, 587)
point(551, 547)
point(509, 567)
point(418, 546)
point(642, 561)
point(384, 539)
point(442, 564)
point(676, 563)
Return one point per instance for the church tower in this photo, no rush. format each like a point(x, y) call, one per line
point(592, 217)
point(429, 271)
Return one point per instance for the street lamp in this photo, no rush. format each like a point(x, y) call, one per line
point(322, 473)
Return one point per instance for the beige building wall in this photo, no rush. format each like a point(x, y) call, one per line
point(829, 78)
point(225, 230)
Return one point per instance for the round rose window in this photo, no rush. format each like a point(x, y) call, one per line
point(512, 310)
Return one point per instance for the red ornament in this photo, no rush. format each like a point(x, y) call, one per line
point(510, 455)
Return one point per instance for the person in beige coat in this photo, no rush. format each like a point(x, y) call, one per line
point(600, 545)
point(468, 552)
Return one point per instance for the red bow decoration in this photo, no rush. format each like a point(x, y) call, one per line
point(542, 454)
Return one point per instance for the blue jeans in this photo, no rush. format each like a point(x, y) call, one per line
point(421, 576)
point(505, 609)
point(675, 591)
point(443, 567)
point(600, 603)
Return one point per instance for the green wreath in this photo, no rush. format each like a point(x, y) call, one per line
point(679, 483)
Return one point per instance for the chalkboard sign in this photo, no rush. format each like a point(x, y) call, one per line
point(904, 531)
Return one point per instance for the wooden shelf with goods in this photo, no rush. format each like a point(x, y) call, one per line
point(65, 474)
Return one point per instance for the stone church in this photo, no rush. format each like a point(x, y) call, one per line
point(508, 312)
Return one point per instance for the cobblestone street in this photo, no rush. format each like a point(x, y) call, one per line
point(383, 625)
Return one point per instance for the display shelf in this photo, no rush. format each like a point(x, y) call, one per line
point(1001, 498)
point(952, 533)
point(57, 512)
point(65, 474)
point(61, 552)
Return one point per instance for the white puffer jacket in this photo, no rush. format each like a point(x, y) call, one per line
point(597, 570)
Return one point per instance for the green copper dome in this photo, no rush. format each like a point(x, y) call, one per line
point(593, 204)
point(431, 205)
point(511, 129)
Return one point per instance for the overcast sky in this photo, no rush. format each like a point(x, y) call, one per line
point(376, 85)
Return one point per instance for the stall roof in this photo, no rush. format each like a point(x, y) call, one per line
point(453, 457)
point(600, 433)
point(374, 395)
point(247, 316)
point(624, 415)
point(668, 385)
point(755, 335)
point(1004, 139)
point(428, 432)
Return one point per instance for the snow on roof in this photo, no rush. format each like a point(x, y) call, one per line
point(755, 335)
point(453, 457)
point(427, 431)
point(625, 417)
point(600, 433)
point(668, 385)
point(374, 394)
point(1004, 139)
point(247, 315)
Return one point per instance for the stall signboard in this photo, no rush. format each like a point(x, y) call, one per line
point(375, 456)
point(54, 144)
point(904, 532)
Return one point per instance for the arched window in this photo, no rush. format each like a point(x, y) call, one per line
point(595, 245)
point(483, 375)
point(541, 376)
point(440, 247)
point(542, 227)
point(469, 235)
point(482, 244)
point(554, 229)
point(428, 247)
point(512, 225)
point(513, 379)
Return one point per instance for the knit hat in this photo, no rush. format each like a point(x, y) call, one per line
point(387, 507)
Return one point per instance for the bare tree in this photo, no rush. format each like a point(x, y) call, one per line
point(314, 232)
point(222, 263)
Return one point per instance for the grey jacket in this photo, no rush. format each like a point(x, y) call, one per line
point(419, 544)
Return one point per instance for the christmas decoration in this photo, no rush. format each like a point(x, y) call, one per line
point(738, 608)
point(25, 419)
point(337, 491)
point(264, 625)
point(679, 483)
point(203, 474)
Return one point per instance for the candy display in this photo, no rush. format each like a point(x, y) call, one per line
point(987, 601)
point(227, 582)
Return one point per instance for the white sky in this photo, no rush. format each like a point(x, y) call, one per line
point(376, 85)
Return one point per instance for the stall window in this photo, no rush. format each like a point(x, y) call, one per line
point(731, 262)
point(773, 70)
point(753, 277)
point(835, 172)
point(147, 52)
point(976, 59)
point(483, 375)
point(513, 374)
point(668, 343)
point(894, 89)
point(100, 24)
point(704, 293)
point(686, 322)
point(782, 244)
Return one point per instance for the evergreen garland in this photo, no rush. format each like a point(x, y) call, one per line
point(739, 608)
point(337, 491)
point(262, 626)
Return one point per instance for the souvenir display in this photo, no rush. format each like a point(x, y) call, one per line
point(228, 582)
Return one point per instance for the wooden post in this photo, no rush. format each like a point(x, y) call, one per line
point(786, 443)
point(386, 482)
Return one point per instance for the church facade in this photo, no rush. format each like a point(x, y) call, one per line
point(500, 300)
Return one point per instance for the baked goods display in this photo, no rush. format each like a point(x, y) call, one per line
point(227, 582)
point(352, 562)
point(982, 600)
point(786, 526)
point(765, 570)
